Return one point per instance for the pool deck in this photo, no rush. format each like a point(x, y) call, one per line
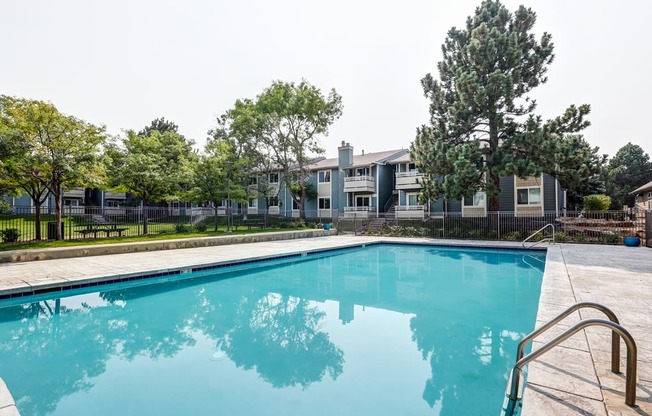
point(573, 379)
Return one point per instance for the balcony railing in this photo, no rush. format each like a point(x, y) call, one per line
point(361, 183)
point(409, 180)
point(358, 212)
point(410, 211)
point(74, 193)
point(115, 195)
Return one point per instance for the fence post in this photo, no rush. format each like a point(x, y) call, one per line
point(498, 213)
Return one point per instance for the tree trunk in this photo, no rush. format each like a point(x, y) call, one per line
point(215, 208)
point(37, 219)
point(145, 204)
point(266, 212)
point(57, 205)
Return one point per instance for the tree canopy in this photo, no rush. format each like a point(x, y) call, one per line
point(282, 127)
point(50, 152)
point(482, 121)
point(153, 167)
point(629, 169)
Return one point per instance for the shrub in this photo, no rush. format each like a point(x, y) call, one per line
point(10, 235)
point(513, 236)
point(201, 227)
point(609, 238)
point(597, 202)
point(581, 238)
point(180, 228)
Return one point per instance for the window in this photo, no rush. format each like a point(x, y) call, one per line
point(413, 199)
point(253, 181)
point(324, 176)
point(111, 203)
point(476, 201)
point(273, 201)
point(175, 205)
point(362, 172)
point(649, 195)
point(528, 196)
point(71, 202)
point(324, 203)
point(253, 203)
point(224, 203)
point(294, 204)
point(362, 201)
point(412, 167)
point(273, 177)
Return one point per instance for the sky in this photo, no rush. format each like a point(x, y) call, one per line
point(123, 63)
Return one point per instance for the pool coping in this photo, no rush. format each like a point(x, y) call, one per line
point(557, 292)
point(23, 255)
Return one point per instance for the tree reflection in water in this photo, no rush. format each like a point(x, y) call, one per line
point(64, 349)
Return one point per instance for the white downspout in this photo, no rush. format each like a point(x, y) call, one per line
point(377, 187)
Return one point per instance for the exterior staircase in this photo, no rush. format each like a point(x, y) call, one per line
point(390, 207)
point(377, 224)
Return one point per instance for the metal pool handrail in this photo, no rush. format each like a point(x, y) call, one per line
point(615, 339)
point(630, 381)
point(538, 231)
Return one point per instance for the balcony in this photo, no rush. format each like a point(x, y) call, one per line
point(409, 180)
point(360, 184)
point(412, 212)
point(358, 212)
point(115, 195)
point(74, 193)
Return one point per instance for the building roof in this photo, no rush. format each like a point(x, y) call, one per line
point(646, 187)
point(361, 159)
point(405, 158)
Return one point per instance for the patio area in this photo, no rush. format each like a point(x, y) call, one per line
point(572, 379)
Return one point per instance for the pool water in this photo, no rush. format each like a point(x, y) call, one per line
point(379, 330)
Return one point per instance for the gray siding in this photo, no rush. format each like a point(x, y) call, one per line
point(311, 204)
point(549, 202)
point(506, 200)
point(338, 200)
point(437, 206)
point(455, 205)
point(385, 183)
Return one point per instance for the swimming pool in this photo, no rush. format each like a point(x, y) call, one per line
point(384, 330)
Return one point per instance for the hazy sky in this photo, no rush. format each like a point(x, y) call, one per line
point(123, 63)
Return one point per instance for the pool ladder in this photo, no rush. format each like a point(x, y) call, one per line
point(617, 331)
point(551, 240)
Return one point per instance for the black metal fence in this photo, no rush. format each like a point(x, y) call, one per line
point(94, 222)
point(578, 227)
point(79, 222)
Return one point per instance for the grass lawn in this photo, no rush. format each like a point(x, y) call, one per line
point(150, 237)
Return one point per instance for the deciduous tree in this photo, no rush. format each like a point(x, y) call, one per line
point(284, 124)
point(153, 167)
point(55, 152)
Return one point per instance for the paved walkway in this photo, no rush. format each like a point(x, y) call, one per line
point(571, 380)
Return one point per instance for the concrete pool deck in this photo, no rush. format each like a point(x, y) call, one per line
point(573, 379)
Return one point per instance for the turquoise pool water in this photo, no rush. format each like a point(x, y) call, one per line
point(380, 330)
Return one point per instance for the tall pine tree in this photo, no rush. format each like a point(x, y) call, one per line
point(482, 124)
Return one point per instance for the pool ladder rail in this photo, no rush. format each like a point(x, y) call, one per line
point(617, 332)
point(540, 230)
